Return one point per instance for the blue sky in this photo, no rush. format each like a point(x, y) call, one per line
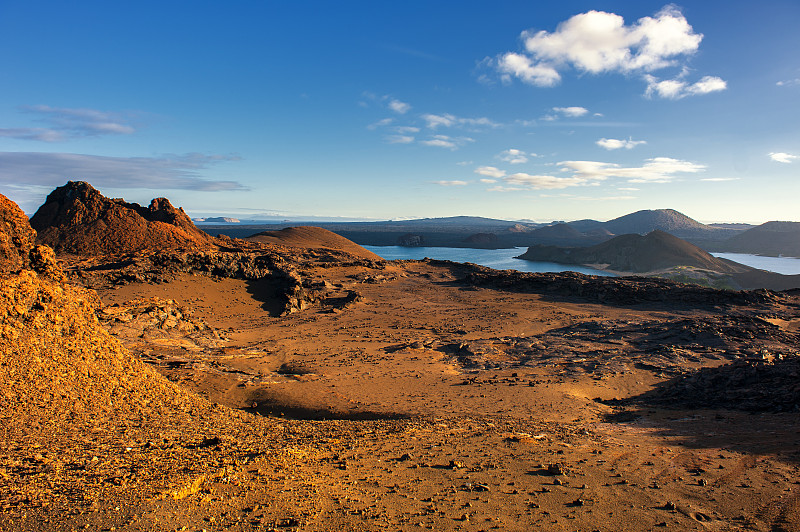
point(513, 110)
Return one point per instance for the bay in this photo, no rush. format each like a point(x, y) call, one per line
point(499, 259)
point(784, 265)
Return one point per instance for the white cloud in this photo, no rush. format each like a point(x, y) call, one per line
point(675, 89)
point(399, 107)
point(380, 123)
point(781, 157)
point(501, 188)
point(165, 172)
point(439, 143)
point(444, 141)
point(522, 67)
point(788, 82)
point(599, 42)
point(719, 179)
point(406, 129)
point(490, 171)
point(514, 156)
point(655, 170)
point(485, 180)
point(66, 124)
point(616, 144)
point(542, 182)
point(434, 121)
point(453, 183)
point(33, 133)
point(571, 112)
point(447, 120)
point(399, 139)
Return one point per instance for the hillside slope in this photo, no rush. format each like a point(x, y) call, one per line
point(771, 238)
point(312, 238)
point(635, 253)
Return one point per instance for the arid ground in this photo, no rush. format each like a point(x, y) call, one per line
point(301, 383)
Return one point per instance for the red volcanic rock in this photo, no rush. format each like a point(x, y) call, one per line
point(78, 219)
point(16, 237)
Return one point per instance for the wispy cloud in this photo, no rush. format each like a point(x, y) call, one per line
point(542, 182)
point(165, 172)
point(616, 144)
point(655, 170)
point(399, 107)
point(676, 89)
point(788, 82)
point(490, 171)
point(597, 42)
point(567, 112)
point(66, 123)
point(434, 121)
point(572, 112)
point(592, 173)
point(444, 141)
point(452, 183)
point(719, 179)
point(781, 157)
point(399, 139)
point(380, 123)
point(514, 156)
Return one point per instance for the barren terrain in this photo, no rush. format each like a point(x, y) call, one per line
point(289, 386)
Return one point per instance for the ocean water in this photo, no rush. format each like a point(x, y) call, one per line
point(499, 259)
point(784, 265)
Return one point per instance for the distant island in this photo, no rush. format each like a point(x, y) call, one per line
point(772, 238)
point(660, 254)
point(217, 220)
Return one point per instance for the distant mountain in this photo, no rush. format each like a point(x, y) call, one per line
point(586, 225)
point(563, 234)
point(657, 250)
point(76, 218)
point(771, 238)
point(643, 222)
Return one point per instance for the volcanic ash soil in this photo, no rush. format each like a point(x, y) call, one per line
point(272, 387)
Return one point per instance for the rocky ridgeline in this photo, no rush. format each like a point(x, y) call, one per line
point(77, 219)
point(610, 290)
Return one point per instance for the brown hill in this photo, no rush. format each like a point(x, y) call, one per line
point(78, 219)
point(313, 238)
point(635, 253)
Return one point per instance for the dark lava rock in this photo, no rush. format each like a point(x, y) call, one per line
point(765, 383)
point(611, 290)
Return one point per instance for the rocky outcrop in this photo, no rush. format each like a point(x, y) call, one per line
point(17, 238)
point(78, 219)
point(161, 322)
point(610, 290)
point(763, 382)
